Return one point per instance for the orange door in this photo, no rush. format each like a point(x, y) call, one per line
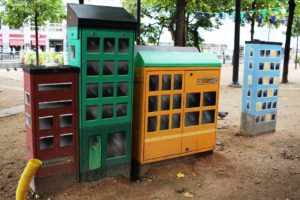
point(200, 110)
point(164, 109)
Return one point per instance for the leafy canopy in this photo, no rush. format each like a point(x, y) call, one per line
point(296, 23)
point(266, 12)
point(162, 15)
point(17, 12)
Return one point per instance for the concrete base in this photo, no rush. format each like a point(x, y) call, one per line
point(235, 85)
point(111, 171)
point(249, 127)
point(139, 170)
point(51, 184)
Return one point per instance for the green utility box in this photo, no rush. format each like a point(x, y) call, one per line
point(101, 43)
point(105, 154)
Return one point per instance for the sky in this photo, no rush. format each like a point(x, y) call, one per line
point(225, 34)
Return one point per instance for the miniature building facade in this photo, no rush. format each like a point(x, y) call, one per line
point(51, 107)
point(175, 104)
point(260, 87)
point(101, 44)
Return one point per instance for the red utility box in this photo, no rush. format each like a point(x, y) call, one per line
point(51, 121)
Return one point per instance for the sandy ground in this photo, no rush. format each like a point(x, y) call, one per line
point(262, 167)
point(11, 88)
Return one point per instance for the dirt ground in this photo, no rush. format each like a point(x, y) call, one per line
point(262, 167)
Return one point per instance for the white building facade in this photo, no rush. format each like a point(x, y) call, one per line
point(51, 37)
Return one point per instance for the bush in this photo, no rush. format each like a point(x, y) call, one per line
point(45, 58)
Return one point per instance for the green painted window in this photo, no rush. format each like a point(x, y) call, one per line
point(107, 81)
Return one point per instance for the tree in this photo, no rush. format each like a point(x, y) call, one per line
point(296, 33)
point(138, 31)
point(256, 10)
point(292, 6)
point(182, 18)
point(17, 12)
point(253, 19)
point(272, 12)
point(180, 23)
point(236, 50)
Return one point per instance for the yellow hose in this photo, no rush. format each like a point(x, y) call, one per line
point(29, 171)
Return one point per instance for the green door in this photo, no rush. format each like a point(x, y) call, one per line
point(104, 146)
point(106, 77)
point(94, 152)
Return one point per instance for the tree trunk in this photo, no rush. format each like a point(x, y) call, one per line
point(236, 51)
point(292, 6)
point(196, 38)
point(171, 26)
point(180, 22)
point(160, 32)
point(138, 14)
point(253, 19)
point(36, 39)
point(81, 1)
point(186, 29)
point(296, 52)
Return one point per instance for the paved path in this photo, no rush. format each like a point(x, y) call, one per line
point(12, 87)
point(287, 88)
point(11, 111)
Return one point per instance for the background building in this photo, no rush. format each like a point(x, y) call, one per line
point(52, 36)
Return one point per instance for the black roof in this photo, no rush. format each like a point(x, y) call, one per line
point(262, 42)
point(91, 16)
point(49, 70)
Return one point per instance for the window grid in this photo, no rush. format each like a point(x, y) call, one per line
point(183, 110)
point(114, 52)
point(160, 93)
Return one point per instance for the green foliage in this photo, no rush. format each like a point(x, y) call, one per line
point(16, 12)
point(37, 12)
point(29, 58)
point(296, 23)
point(265, 9)
point(45, 58)
point(160, 15)
point(270, 12)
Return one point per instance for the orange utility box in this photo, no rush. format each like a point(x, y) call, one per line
point(176, 96)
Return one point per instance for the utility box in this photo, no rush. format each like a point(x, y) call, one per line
point(101, 44)
point(175, 104)
point(260, 87)
point(51, 107)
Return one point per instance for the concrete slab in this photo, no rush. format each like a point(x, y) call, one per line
point(11, 88)
point(11, 111)
point(249, 126)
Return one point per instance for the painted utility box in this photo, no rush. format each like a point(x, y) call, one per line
point(51, 107)
point(260, 87)
point(101, 43)
point(175, 104)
